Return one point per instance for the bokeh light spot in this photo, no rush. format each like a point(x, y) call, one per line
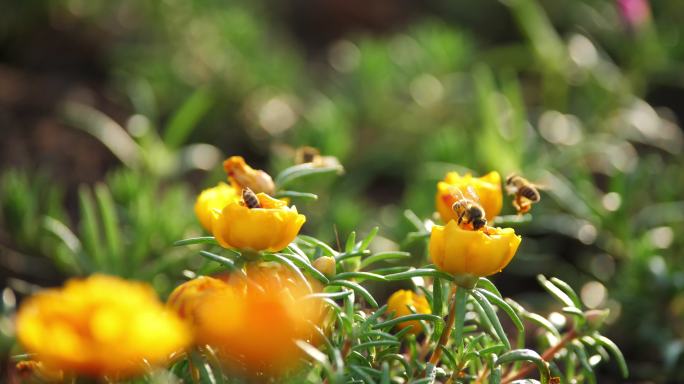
point(593, 294)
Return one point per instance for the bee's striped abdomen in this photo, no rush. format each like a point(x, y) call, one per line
point(530, 193)
point(250, 199)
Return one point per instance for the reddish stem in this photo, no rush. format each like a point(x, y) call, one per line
point(446, 333)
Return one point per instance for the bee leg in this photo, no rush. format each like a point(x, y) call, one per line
point(525, 207)
point(463, 218)
point(522, 204)
point(516, 204)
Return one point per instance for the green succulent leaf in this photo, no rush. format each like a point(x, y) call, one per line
point(196, 240)
point(357, 288)
point(527, 355)
point(615, 351)
point(491, 316)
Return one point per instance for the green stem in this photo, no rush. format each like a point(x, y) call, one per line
point(456, 317)
point(461, 299)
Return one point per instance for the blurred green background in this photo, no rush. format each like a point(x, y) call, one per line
point(113, 115)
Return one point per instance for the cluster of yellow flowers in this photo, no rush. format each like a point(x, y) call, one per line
point(465, 252)
point(222, 212)
point(104, 326)
point(462, 252)
point(252, 320)
point(108, 327)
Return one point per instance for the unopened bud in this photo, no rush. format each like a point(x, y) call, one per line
point(596, 317)
point(325, 265)
point(241, 175)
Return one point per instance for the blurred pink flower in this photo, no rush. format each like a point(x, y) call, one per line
point(634, 12)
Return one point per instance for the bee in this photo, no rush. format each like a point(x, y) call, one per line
point(525, 192)
point(250, 199)
point(306, 154)
point(469, 211)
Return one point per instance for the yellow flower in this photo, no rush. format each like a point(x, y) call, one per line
point(185, 297)
point(212, 200)
point(454, 186)
point(254, 322)
point(241, 175)
point(269, 228)
point(399, 303)
point(100, 326)
point(476, 253)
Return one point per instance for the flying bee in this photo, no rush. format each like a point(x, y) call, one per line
point(525, 192)
point(250, 199)
point(469, 211)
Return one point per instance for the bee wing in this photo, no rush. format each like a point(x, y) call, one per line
point(471, 194)
point(456, 192)
point(542, 186)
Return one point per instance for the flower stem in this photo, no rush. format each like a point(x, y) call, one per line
point(548, 355)
point(455, 317)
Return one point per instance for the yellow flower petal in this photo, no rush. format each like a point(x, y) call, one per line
point(212, 200)
point(478, 253)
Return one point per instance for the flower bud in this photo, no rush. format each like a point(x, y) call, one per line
point(241, 175)
point(400, 304)
point(325, 265)
point(596, 318)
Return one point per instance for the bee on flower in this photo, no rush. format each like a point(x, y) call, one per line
point(454, 188)
point(270, 227)
point(469, 211)
point(466, 245)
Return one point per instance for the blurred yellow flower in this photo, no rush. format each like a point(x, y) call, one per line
point(476, 253)
point(253, 322)
point(399, 303)
point(454, 187)
point(185, 297)
point(241, 175)
point(269, 228)
point(100, 326)
point(213, 200)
